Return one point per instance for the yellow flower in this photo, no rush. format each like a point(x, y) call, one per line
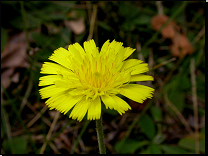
point(82, 78)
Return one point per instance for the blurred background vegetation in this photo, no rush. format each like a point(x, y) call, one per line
point(173, 122)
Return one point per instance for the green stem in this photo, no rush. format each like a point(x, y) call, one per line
point(100, 136)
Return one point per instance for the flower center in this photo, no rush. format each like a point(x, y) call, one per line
point(97, 74)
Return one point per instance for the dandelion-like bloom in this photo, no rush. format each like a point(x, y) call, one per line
point(82, 78)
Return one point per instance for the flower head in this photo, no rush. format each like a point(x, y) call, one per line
point(82, 78)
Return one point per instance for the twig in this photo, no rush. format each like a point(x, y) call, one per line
point(198, 36)
point(89, 10)
point(151, 63)
point(159, 7)
point(138, 48)
point(79, 137)
point(180, 116)
point(171, 72)
point(32, 108)
point(36, 112)
point(28, 91)
point(92, 22)
point(54, 148)
point(163, 63)
point(37, 117)
point(195, 105)
point(50, 132)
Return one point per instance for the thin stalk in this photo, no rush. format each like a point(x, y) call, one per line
point(100, 136)
point(180, 116)
point(195, 105)
point(26, 96)
point(80, 136)
point(92, 22)
point(50, 132)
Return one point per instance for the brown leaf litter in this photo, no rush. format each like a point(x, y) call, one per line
point(180, 46)
point(13, 56)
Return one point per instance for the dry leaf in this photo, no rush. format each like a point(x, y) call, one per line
point(185, 45)
point(169, 30)
point(180, 44)
point(174, 49)
point(15, 77)
point(158, 21)
point(6, 78)
point(77, 26)
point(12, 57)
point(15, 52)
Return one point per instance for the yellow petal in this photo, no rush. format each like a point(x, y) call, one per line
point(91, 48)
point(109, 102)
point(63, 102)
point(79, 48)
point(119, 56)
point(141, 77)
point(48, 80)
point(131, 63)
point(80, 109)
point(115, 46)
point(121, 79)
point(104, 48)
point(77, 56)
point(61, 56)
point(141, 68)
point(64, 84)
point(128, 52)
point(94, 111)
point(137, 92)
point(49, 91)
point(122, 105)
point(53, 68)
